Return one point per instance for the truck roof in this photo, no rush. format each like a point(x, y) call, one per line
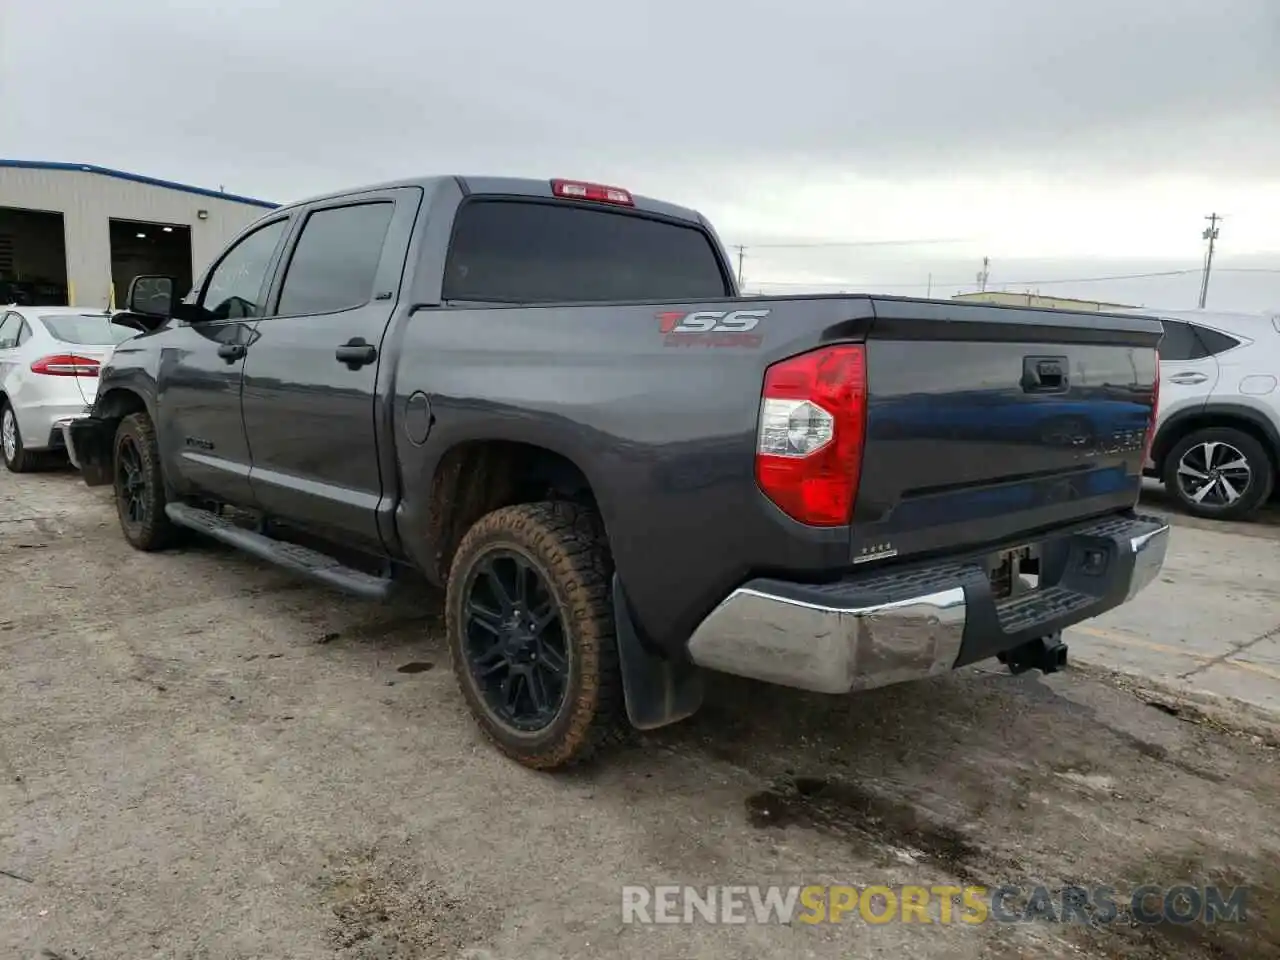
point(511, 186)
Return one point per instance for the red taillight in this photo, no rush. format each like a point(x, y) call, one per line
point(1155, 411)
point(813, 415)
point(65, 365)
point(576, 190)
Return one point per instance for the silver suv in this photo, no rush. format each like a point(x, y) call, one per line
point(1217, 446)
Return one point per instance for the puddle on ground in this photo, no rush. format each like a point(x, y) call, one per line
point(845, 809)
point(417, 666)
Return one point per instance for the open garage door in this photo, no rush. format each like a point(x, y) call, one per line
point(33, 258)
point(145, 248)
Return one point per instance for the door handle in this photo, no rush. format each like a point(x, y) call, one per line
point(1045, 375)
point(1188, 378)
point(231, 352)
point(355, 353)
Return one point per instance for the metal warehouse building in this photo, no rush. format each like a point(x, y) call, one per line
point(76, 234)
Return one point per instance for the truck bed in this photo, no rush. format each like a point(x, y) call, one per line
point(983, 423)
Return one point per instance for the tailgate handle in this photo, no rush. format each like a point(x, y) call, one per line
point(1045, 375)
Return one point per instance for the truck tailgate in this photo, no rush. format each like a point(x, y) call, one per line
point(986, 423)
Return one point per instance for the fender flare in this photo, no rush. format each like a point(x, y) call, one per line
point(1176, 425)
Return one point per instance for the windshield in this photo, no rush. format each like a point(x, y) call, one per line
point(86, 328)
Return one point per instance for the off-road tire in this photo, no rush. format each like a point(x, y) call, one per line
point(1262, 472)
point(24, 460)
point(566, 544)
point(156, 531)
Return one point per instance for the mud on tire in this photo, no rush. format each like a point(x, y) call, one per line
point(139, 485)
point(563, 545)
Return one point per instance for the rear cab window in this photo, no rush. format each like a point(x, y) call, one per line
point(86, 329)
point(535, 251)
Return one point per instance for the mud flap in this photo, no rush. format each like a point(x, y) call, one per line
point(658, 691)
point(88, 443)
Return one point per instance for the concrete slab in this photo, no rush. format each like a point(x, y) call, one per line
point(202, 757)
point(1210, 623)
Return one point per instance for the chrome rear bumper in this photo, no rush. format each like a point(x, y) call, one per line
point(873, 631)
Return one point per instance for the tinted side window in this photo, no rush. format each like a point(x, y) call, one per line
point(336, 259)
point(516, 251)
point(1215, 342)
point(235, 283)
point(9, 331)
point(1180, 342)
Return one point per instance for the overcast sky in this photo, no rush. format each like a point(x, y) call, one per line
point(1065, 139)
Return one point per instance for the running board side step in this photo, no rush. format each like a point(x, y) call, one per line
point(291, 556)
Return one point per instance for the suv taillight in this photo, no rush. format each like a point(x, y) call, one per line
point(65, 365)
point(813, 415)
point(1155, 412)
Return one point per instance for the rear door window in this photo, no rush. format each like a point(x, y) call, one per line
point(335, 261)
point(1180, 342)
point(9, 326)
point(520, 251)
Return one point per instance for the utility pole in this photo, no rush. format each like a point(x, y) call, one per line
point(1210, 234)
point(984, 275)
point(742, 252)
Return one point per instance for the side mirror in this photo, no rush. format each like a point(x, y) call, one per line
point(152, 296)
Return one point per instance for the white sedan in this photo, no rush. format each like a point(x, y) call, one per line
point(49, 360)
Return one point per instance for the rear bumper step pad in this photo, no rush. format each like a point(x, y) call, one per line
point(872, 631)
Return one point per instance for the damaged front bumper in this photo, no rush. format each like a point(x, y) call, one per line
point(88, 441)
point(925, 619)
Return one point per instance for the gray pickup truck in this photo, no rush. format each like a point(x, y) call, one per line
point(549, 398)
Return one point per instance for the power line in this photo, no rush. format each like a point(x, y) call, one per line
point(815, 244)
point(962, 283)
point(1011, 283)
point(1118, 276)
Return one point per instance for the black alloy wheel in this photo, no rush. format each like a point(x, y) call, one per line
point(131, 484)
point(139, 486)
point(531, 632)
point(514, 641)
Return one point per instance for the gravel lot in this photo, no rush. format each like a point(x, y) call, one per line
point(201, 757)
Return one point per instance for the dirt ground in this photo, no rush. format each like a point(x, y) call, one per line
point(202, 758)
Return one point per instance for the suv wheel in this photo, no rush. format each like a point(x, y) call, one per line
point(529, 617)
point(139, 485)
point(1219, 472)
